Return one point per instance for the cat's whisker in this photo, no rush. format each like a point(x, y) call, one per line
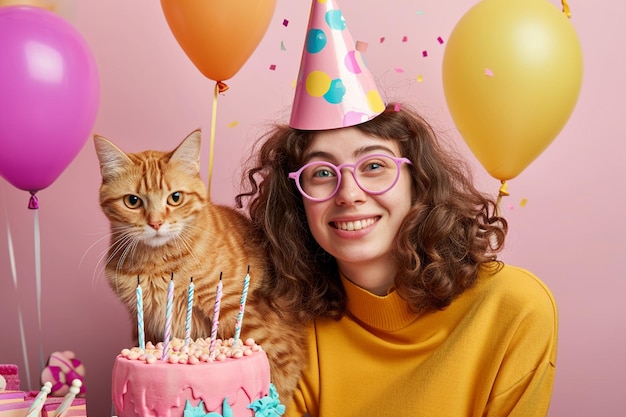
point(182, 238)
point(100, 256)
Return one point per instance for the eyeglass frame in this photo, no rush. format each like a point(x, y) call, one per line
point(295, 175)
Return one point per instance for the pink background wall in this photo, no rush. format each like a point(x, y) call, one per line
point(570, 232)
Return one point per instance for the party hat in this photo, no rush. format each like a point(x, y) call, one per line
point(334, 88)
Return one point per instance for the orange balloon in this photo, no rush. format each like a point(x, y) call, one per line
point(218, 35)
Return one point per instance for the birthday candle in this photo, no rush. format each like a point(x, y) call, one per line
point(35, 408)
point(140, 331)
point(242, 304)
point(189, 311)
point(168, 318)
point(69, 397)
point(216, 315)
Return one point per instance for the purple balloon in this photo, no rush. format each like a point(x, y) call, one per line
point(49, 95)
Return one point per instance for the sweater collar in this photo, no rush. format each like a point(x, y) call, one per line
point(387, 313)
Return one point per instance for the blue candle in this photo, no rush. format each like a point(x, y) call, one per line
point(242, 305)
point(140, 331)
point(189, 313)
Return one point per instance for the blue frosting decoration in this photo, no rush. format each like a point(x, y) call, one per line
point(268, 406)
point(200, 411)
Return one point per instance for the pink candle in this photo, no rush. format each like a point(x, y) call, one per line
point(168, 318)
point(216, 315)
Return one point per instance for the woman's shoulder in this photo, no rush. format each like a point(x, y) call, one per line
point(516, 287)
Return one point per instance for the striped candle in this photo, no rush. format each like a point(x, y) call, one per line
point(35, 408)
point(216, 315)
point(69, 397)
point(189, 311)
point(242, 305)
point(168, 318)
point(140, 330)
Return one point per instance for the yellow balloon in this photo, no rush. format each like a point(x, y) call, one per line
point(512, 72)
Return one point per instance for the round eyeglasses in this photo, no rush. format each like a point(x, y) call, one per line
point(374, 174)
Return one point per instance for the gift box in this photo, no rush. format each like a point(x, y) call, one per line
point(77, 409)
point(15, 405)
point(11, 376)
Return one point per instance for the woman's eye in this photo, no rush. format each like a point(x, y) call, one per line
point(323, 172)
point(378, 163)
point(132, 201)
point(175, 199)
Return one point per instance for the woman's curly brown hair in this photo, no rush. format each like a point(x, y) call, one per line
point(451, 231)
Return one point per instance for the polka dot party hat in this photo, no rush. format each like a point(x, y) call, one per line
point(334, 87)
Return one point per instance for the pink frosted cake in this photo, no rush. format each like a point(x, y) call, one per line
point(232, 380)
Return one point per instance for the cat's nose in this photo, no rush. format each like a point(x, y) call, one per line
point(156, 225)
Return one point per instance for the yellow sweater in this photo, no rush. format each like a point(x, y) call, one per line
point(492, 352)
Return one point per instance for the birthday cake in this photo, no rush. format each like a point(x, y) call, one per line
point(195, 379)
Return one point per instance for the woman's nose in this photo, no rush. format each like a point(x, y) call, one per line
point(349, 191)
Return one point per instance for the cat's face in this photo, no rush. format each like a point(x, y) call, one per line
point(151, 197)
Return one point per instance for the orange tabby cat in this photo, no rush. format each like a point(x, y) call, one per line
point(162, 223)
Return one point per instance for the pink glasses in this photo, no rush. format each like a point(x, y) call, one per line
point(374, 174)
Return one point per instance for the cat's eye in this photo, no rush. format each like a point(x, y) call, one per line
point(132, 201)
point(175, 199)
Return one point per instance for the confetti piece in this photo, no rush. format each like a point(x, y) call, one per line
point(488, 72)
point(397, 107)
point(399, 70)
point(523, 202)
point(440, 40)
point(404, 39)
point(420, 78)
point(285, 22)
point(419, 12)
point(273, 67)
point(233, 124)
point(382, 39)
point(424, 54)
point(361, 46)
point(282, 46)
point(511, 206)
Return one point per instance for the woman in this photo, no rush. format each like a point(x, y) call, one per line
point(379, 239)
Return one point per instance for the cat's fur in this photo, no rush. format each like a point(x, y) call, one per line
point(172, 227)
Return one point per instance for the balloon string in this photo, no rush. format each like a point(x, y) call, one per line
point(566, 9)
point(220, 87)
point(502, 192)
point(38, 283)
point(212, 142)
point(19, 307)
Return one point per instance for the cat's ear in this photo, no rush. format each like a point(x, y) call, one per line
point(187, 154)
point(112, 159)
